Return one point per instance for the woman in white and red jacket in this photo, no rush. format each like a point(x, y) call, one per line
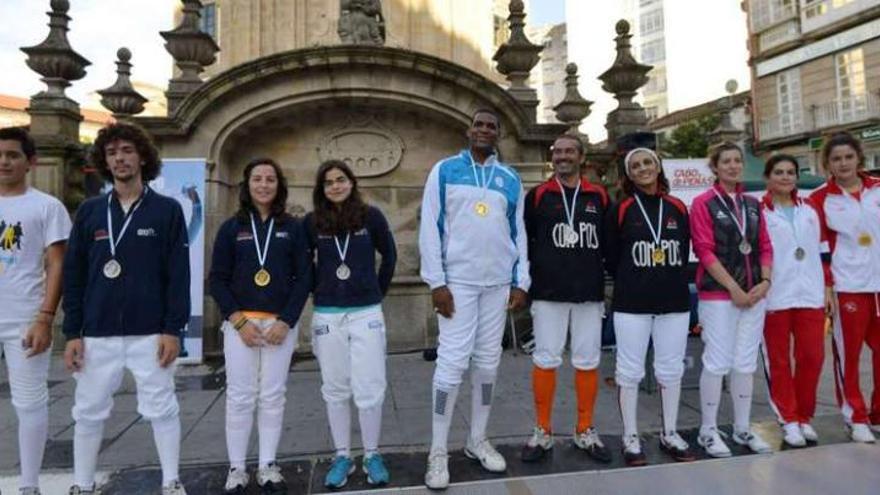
point(795, 302)
point(849, 207)
point(730, 240)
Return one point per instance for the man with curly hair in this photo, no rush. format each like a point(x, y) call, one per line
point(128, 257)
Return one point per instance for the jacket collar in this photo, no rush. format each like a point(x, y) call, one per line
point(767, 199)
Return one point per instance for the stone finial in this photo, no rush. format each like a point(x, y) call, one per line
point(725, 131)
point(192, 50)
point(121, 98)
point(574, 108)
point(623, 80)
point(54, 59)
point(517, 56)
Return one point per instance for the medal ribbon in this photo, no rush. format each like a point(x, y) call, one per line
point(569, 214)
point(655, 234)
point(484, 185)
point(342, 250)
point(113, 241)
point(740, 226)
point(261, 255)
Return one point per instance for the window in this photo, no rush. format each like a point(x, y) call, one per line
point(651, 112)
point(209, 19)
point(653, 51)
point(814, 8)
point(764, 13)
point(651, 22)
point(851, 89)
point(788, 98)
point(656, 82)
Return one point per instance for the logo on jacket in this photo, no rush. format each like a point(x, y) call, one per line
point(244, 236)
point(101, 234)
point(10, 236)
point(591, 207)
point(586, 236)
point(150, 232)
point(282, 235)
point(850, 306)
point(647, 254)
point(720, 215)
point(671, 224)
point(499, 181)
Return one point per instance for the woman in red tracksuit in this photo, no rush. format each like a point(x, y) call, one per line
point(795, 302)
point(849, 207)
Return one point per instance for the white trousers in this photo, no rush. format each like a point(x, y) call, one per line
point(731, 335)
point(472, 335)
point(633, 332)
point(350, 348)
point(256, 379)
point(28, 378)
point(552, 322)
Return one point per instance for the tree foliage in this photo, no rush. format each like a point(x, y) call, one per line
point(690, 139)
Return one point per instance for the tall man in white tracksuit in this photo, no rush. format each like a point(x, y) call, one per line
point(473, 256)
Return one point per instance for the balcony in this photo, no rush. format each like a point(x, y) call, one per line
point(835, 113)
point(846, 111)
point(779, 35)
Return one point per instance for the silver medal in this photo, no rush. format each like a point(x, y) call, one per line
point(799, 253)
point(571, 237)
point(343, 272)
point(112, 269)
point(745, 248)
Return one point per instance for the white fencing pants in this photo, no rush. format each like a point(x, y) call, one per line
point(105, 361)
point(552, 322)
point(256, 379)
point(634, 332)
point(28, 378)
point(350, 348)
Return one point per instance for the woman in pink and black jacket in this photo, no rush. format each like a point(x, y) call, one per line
point(730, 240)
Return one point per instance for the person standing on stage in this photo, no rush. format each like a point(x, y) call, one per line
point(796, 302)
point(260, 278)
point(348, 326)
point(37, 226)
point(564, 222)
point(849, 207)
point(472, 242)
point(648, 248)
point(126, 301)
point(731, 242)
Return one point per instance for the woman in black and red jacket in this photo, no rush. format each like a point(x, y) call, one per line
point(647, 250)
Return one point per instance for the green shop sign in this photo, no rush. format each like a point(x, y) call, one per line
point(872, 134)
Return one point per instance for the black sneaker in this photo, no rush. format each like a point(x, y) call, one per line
point(538, 445)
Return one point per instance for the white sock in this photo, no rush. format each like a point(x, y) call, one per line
point(269, 428)
point(339, 415)
point(741, 385)
point(710, 397)
point(166, 434)
point(441, 417)
point(482, 387)
point(239, 424)
point(628, 398)
point(669, 397)
point(87, 437)
point(371, 428)
point(33, 429)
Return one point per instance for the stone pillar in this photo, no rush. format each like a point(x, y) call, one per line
point(515, 59)
point(192, 50)
point(55, 118)
point(725, 130)
point(121, 98)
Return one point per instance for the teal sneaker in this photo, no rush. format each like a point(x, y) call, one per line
point(374, 468)
point(337, 476)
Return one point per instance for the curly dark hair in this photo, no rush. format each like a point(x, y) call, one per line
point(629, 187)
point(246, 205)
point(151, 164)
point(329, 219)
point(842, 138)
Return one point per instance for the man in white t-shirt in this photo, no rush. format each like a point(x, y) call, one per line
point(33, 229)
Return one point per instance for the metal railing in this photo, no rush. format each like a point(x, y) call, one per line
point(834, 113)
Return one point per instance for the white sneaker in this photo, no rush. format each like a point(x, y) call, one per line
point(236, 480)
point(76, 490)
point(173, 488)
point(269, 478)
point(793, 436)
point(30, 490)
point(484, 452)
point(437, 476)
point(755, 443)
point(710, 440)
point(859, 432)
point(809, 433)
point(632, 451)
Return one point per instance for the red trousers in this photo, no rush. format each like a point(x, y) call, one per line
point(858, 323)
point(793, 396)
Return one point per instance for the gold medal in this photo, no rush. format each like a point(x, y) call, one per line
point(865, 239)
point(659, 256)
point(262, 278)
point(481, 208)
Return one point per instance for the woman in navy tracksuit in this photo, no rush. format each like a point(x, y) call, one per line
point(648, 246)
point(260, 277)
point(348, 328)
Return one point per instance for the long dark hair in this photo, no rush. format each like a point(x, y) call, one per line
point(776, 160)
point(843, 138)
point(329, 219)
point(629, 187)
point(151, 166)
point(246, 205)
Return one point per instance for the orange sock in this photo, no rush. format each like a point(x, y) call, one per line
point(544, 387)
point(586, 384)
